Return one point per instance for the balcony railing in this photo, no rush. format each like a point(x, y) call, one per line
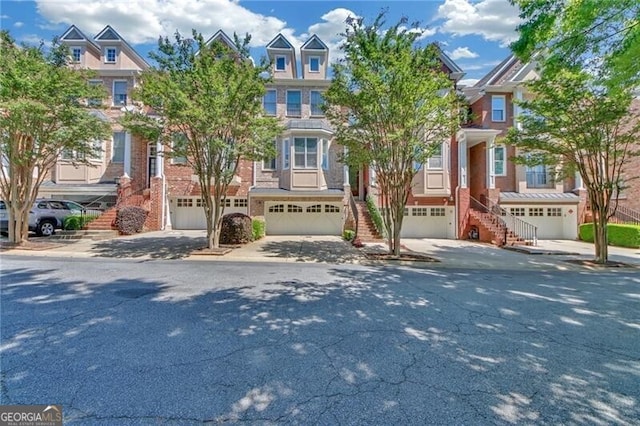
point(540, 180)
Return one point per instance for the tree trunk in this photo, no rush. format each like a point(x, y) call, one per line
point(18, 223)
point(600, 237)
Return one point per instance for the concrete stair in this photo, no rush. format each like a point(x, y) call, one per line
point(492, 230)
point(366, 229)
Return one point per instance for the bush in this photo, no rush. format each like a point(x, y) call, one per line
point(236, 229)
point(76, 222)
point(376, 216)
point(348, 234)
point(620, 235)
point(258, 225)
point(130, 220)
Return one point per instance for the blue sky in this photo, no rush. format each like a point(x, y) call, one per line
point(475, 33)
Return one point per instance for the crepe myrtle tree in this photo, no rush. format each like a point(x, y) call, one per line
point(392, 106)
point(43, 113)
point(204, 102)
point(576, 124)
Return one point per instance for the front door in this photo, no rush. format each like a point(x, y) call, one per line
point(151, 162)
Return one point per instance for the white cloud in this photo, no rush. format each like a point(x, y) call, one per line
point(462, 53)
point(18, 24)
point(330, 30)
point(479, 66)
point(425, 32)
point(494, 20)
point(34, 40)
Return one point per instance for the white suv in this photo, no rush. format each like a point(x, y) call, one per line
point(47, 215)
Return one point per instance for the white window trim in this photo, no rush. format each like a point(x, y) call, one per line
point(314, 57)
point(429, 167)
point(177, 160)
point(272, 161)
point(113, 93)
point(276, 102)
point(286, 154)
point(276, 63)
point(504, 160)
point(72, 48)
point(504, 110)
point(311, 112)
point(106, 55)
point(324, 154)
point(113, 147)
point(318, 165)
point(287, 104)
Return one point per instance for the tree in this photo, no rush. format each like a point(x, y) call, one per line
point(204, 102)
point(587, 53)
point(392, 106)
point(43, 111)
point(574, 124)
point(602, 36)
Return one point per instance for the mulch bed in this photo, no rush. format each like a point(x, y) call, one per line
point(206, 251)
point(408, 257)
point(593, 264)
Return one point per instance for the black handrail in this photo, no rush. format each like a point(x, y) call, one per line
point(525, 230)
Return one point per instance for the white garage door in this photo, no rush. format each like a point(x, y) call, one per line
point(558, 222)
point(299, 218)
point(427, 222)
point(188, 213)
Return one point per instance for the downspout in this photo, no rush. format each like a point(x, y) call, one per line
point(457, 213)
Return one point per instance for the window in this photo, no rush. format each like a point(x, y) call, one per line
point(269, 102)
point(328, 208)
point(420, 211)
point(536, 211)
point(315, 209)
point(281, 62)
point(325, 154)
point(538, 177)
point(178, 148)
point(314, 64)
point(554, 211)
point(286, 154)
point(270, 163)
point(226, 202)
point(305, 153)
point(199, 202)
point(110, 55)
point(240, 202)
point(96, 150)
point(316, 103)
point(435, 161)
point(119, 93)
point(498, 107)
point(94, 101)
point(117, 150)
point(292, 208)
point(277, 208)
point(294, 102)
point(185, 202)
point(499, 160)
point(517, 211)
point(76, 54)
point(406, 211)
point(437, 211)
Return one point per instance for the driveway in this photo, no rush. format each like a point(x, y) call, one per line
point(124, 341)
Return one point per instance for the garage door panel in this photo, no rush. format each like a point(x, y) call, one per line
point(188, 213)
point(551, 221)
point(426, 222)
point(292, 218)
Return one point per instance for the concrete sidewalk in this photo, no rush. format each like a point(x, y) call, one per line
point(182, 244)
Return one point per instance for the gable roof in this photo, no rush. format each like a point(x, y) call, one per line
point(108, 34)
point(314, 43)
point(454, 70)
point(279, 42)
point(510, 71)
point(222, 37)
point(73, 34)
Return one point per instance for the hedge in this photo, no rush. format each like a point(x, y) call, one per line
point(77, 221)
point(130, 219)
point(376, 216)
point(620, 235)
point(258, 225)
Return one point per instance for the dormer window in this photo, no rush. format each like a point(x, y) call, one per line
point(76, 54)
point(281, 62)
point(110, 55)
point(314, 64)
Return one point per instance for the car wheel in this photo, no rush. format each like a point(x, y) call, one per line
point(46, 228)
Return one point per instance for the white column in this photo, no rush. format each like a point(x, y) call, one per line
point(579, 183)
point(159, 158)
point(491, 175)
point(345, 170)
point(127, 154)
point(462, 161)
point(517, 109)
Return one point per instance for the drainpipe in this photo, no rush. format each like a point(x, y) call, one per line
point(457, 213)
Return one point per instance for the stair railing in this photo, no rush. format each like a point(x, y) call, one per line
point(354, 209)
point(525, 230)
point(625, 215)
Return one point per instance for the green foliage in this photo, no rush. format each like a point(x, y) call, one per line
point(348, 234)
point(77, 221)
point(391, 105)
point(601, 36)
point(258, 226)
point(375, 215)
point(210, 94)
point(620, 235)
point(43, 112)
point(130, 220)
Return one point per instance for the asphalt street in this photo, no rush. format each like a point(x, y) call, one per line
point(131, 341)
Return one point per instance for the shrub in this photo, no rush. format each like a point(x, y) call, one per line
point(236, 229)
point(348, 234)
point(73, 222)
point(376, 216)
point(620, 235)
point(130, 220)
point(258, 225)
